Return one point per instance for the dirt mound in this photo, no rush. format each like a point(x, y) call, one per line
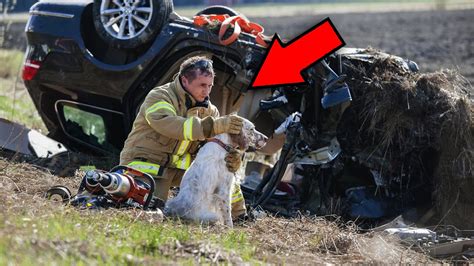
point(416, 130)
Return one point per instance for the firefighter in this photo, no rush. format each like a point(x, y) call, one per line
point(173, 119)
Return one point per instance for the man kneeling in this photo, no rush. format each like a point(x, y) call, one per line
point(172, 121)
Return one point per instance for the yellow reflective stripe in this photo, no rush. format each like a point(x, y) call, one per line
point(237, 199)
point(149, 168)
point(237, 194)
point(183, 147)
point(157, 106)
point(188, 129)
point(182, 162)
point(161, 105)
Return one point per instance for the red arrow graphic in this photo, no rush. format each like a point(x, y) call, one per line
point(283, 63)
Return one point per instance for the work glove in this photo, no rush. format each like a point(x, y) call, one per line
point(233, 160)
point(294, 117)
point(231, 124)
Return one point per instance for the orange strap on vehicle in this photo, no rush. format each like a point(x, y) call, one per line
point(239, 23)
point(204, 20)
point(226, 24)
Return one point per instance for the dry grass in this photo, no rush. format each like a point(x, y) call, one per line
point(47, 232)
point(417, 130)
point(317, 240)
point(11, 63)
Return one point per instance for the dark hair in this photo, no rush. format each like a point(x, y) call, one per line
point(195, 65)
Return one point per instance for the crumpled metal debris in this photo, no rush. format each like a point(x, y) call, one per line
point(440, 242)
point(17, 139)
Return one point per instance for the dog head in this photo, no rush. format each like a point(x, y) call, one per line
point(249, 137)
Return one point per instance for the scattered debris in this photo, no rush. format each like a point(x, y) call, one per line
point(438, 242)
point(21, 144)
point(18, 141)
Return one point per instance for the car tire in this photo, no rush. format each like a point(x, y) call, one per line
point(218, 10)
point(147, 20)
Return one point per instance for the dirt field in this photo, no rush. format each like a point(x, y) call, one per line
point(433, 39)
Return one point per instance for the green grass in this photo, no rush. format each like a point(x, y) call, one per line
point(18, 107)
point(85, 237)
point(11, 61)
point(15, 103)
point(21, 110)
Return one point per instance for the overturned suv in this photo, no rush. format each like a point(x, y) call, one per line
point(90, 64)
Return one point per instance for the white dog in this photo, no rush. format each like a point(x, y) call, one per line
point(206, 187)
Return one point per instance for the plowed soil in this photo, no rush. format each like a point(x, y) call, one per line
point(433, 39)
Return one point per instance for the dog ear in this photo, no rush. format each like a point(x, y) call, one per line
point(239, 140)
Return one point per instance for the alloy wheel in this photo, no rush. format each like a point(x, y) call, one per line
point(126, 19)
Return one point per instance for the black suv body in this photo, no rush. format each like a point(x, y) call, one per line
point(74, 75)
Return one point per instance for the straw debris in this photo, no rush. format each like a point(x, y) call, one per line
point(416, 129)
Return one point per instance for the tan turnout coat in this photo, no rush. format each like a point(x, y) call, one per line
point(165, 137)
point(167, 129)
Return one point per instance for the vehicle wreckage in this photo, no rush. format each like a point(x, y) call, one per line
point(373, 138)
